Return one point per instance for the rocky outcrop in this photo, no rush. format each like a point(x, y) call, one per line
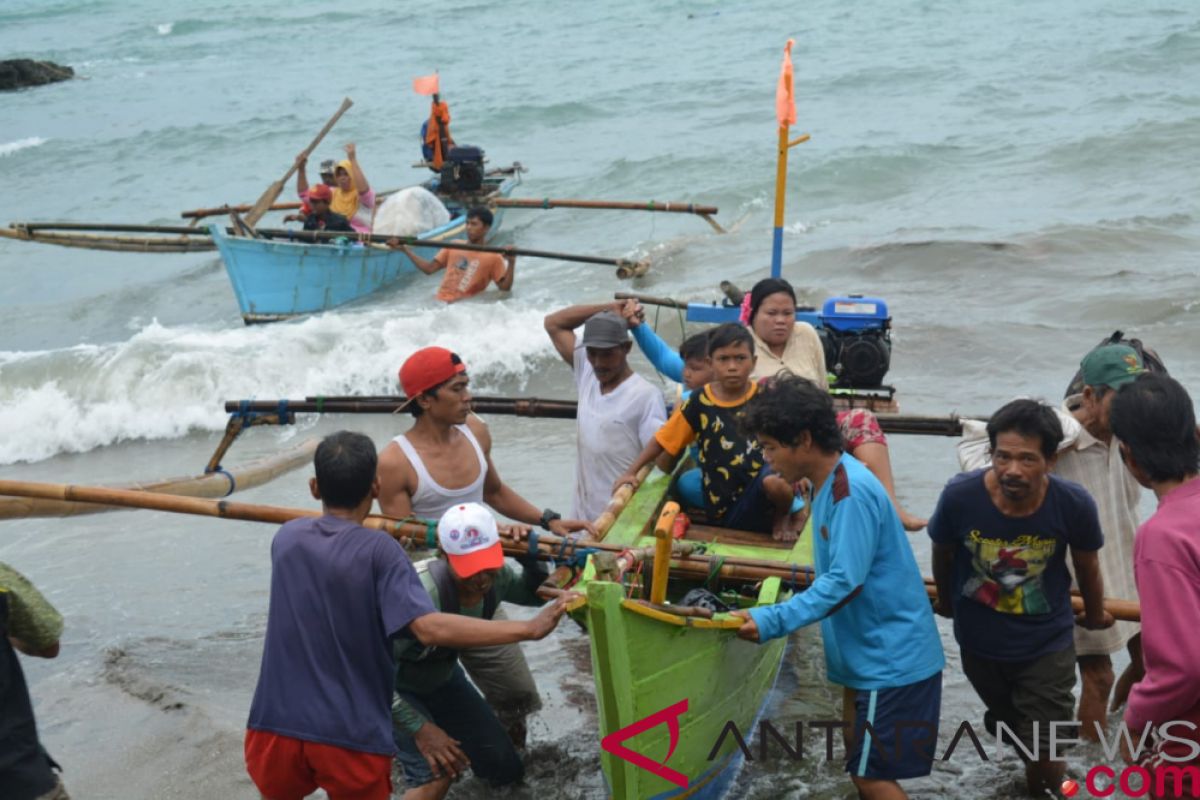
point(18, 73)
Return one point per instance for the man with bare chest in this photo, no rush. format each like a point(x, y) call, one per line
point(442, 461)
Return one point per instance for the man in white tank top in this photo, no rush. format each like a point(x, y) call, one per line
point(444, 460)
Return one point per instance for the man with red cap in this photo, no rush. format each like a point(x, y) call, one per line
point(442, 461)
point(321, 218)
point(442, 725)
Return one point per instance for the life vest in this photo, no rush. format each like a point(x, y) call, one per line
point(435, 133)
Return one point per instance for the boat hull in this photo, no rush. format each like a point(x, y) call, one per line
point(275, 280)
point(644, 661)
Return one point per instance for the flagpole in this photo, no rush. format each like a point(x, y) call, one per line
point(780, 188)
point(785, 110)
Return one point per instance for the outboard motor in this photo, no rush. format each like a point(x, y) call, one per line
point(462, 170)
point(856, 334)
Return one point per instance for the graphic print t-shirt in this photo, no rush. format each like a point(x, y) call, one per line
point(467, 273)
point(1012, 591)
point(729, 460)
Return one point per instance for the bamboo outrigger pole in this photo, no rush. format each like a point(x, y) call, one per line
point(417, 534)
point(785, 112)
point(916, 424)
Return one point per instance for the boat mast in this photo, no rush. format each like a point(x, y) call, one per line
point(785, 112)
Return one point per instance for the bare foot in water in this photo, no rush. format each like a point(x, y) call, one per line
point(910, 522)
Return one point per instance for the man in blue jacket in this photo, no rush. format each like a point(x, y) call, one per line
point(881, 642)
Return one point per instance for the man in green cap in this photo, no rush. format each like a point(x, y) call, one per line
point(1094, 461)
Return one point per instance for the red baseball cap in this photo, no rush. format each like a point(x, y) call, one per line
point(320, 192)
point(427, 368)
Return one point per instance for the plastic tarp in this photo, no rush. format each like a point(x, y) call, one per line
point(410, 212)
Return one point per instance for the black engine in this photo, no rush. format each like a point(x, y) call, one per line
point(860, 359)
point(462, 170)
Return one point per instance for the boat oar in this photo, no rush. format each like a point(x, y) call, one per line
point(704, 212)
point(272, 193)
point(914, 424)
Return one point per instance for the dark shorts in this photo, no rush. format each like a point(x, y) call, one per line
point(459, 709)
point(753, 510)
point(895, 730)
point(1020, 693)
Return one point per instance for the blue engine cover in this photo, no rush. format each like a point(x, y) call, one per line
point(855, 313)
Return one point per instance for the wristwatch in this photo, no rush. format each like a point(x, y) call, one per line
point(548, 516)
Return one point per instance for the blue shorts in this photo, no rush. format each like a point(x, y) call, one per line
point(895, 730)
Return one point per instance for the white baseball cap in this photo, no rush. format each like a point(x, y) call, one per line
point(467, 535)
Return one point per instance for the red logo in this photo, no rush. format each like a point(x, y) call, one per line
point(1070, 788)
point(670, 715)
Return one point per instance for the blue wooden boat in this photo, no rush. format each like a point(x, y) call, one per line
point(275, 279)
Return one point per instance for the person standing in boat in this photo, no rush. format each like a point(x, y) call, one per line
point(340, 595)
point(1154, 421)
point(441, 724)
point(619, 411)
point(353, 197)
point(468, 272)
point(739, 492)
point(321, 218)
point(881, 642)
point(1000, 541)
point(442, 461)
point(784, 343)
point(29, 624)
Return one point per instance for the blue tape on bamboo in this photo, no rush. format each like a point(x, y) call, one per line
point(283, 411)
point(431, 534)
point(229, 477)
point(545, 202)
point(533, 542)
point(320, 404)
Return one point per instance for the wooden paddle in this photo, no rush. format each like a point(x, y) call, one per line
point(272, 193)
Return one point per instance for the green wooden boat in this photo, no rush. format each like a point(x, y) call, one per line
point(646, 659)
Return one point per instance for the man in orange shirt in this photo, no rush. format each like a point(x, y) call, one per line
point(468, 272)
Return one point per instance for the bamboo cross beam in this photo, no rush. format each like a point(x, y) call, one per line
point(416, 534)
point(218, 211)
point(906, 424)
point(615, 205)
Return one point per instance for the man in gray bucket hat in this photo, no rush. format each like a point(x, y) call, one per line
point(619, 411)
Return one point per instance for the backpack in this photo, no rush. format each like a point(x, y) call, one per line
point(1150, 359)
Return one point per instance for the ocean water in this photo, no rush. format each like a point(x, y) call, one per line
point(1017, 180)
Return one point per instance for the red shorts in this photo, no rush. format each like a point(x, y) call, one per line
point(284, 768)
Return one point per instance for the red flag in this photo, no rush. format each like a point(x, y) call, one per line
point(426, 84)
point(785, 100)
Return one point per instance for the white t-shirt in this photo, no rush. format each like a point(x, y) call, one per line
point(613, 429)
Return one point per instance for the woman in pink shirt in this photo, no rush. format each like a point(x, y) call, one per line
point(1154, 421)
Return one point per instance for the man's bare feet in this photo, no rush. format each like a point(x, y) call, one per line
point(788, 528)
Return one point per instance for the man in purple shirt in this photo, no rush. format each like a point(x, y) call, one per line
point(321, 714)
point(1154, 421)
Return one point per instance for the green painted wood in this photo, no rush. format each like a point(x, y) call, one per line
point(642, 665)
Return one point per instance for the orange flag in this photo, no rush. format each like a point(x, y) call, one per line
point(426, 84)
point(785, 100)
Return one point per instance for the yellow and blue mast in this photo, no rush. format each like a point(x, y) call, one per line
point(785, 112)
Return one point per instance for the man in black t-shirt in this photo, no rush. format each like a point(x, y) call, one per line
point(321, 218)
point(1000, 541)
